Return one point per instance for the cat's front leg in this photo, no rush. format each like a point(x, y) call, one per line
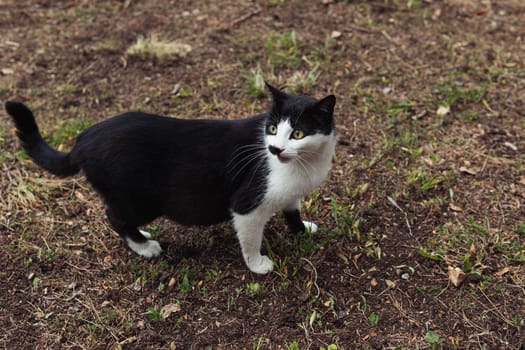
point(250, 229)
point(292, 216)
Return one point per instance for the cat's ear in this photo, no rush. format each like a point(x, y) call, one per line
point(326, 105)
point(278, 96)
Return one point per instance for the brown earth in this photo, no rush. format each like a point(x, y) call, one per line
point(415, 189)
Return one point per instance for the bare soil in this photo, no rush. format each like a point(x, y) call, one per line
point(429, 176)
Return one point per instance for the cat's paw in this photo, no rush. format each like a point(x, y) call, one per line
point(148, 249)
point(310, 227)
point(145, 234)
point(260, 265)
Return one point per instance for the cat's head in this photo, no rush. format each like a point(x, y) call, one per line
point(299, 126)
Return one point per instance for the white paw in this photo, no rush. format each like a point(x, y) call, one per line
point(260, 264)
point(145, 234)
point(148, 249)
point(310, 227)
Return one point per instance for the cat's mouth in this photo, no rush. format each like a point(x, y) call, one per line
point(283, 159)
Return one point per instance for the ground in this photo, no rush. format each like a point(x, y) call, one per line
point(428, 181)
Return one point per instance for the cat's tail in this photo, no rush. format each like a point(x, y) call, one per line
point(48, 158)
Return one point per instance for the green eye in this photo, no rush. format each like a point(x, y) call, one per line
point(297, 134)
point(272, 129)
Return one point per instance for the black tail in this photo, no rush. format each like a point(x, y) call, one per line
point(45, 156)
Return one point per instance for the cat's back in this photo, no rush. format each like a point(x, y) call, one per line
point(142, 138)
point(138, 126)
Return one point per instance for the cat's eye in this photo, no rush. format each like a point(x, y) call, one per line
point(272, 129)
point(297, 134)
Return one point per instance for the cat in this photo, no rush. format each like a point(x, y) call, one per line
point(198, 172)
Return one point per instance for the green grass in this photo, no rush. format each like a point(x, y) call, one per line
point(346, 224)
point(154, 314)
point(459, 97)
point(469, 246)
point(283, 50)
point(66, 89)
point(68, 130)
point(188, 278)
point(419, 178)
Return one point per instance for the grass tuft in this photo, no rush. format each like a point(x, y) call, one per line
point(153, 47)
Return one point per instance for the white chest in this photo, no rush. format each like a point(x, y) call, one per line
point(289, 182)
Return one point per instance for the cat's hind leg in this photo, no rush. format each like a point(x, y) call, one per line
point(136, 240)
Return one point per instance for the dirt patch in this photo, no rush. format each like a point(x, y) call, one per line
point(429, 174)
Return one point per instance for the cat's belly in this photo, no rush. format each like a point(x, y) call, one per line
point(203, 212)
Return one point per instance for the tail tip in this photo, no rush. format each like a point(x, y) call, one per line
point(15, 108)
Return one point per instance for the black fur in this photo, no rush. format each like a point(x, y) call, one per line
point(196, 172)
point(55, 162)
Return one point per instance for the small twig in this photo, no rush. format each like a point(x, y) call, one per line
point(394, 203)
point(237, 21)
point(245, 17)
point(359, 29)
point(389, 38)
point(315, 276)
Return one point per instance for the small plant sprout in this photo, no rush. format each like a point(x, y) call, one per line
point(374, 319)
point(253, 288)
point(434, 340)
point(154, 314)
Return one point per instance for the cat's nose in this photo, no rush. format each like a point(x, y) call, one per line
point(274, 150)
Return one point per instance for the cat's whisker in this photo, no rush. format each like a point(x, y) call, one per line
point(244, 149)
point(246, 152)
point(247, 160)
point(304, 164)
point(313, 153)
point(258, 165)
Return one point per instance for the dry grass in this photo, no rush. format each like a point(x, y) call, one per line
point(153, 47)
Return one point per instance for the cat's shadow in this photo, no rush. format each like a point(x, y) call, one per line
point(203, 244)
point(207, 245)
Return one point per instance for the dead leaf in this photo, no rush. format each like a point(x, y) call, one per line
point(511, 146)
point(336, 34)
point(455, 276)
point(390, 284)
point(80, 196)
point(502, 272)
point(473, 251)
point(468, 170)
point(522, 180)
point(169, 309)
point(7, 71)
point(454, 207)
point(443, 110)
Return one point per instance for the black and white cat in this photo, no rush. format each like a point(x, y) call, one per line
point(199, 172)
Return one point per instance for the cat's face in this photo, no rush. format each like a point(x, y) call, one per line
point(299, 127)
